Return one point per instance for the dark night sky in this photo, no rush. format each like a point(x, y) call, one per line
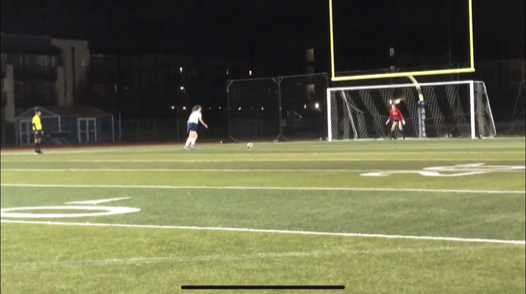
point(261, 28)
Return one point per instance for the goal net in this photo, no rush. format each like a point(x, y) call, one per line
point(452, 109)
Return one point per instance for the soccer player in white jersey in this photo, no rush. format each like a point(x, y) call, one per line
point(195, 118)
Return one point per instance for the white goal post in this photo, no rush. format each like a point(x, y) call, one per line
point(453, 109)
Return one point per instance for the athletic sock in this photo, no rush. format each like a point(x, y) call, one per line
point(188, 141)
point(192, 142)
point(36, 147)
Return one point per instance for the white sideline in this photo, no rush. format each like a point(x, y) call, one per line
point(260, 188)
point(218, 170)
point(163, 147)
point(327, 153)
point(241, 257)
point(188, 160)
point(245, 230)
point(183, 170)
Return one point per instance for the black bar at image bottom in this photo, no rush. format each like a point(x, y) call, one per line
point(268, 287)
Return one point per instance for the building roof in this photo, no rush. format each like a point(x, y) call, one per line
point(17, 44)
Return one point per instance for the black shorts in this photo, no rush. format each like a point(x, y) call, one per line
point(38, 134)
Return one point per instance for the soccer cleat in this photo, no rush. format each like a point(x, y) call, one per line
point(192, 147)
point(185, 148)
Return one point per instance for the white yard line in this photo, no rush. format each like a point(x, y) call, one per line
point(276, 152)
point(192, 160)
point(350, 189)
point(240, 257)
point(245, 230)
point(182, 170)
point(216, 170)
point(378, 144)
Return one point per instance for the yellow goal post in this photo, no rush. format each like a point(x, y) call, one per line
point(469, 69)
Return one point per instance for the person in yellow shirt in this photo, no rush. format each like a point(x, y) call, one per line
point(37, 128)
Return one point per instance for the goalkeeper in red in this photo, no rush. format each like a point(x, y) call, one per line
point(395, 116)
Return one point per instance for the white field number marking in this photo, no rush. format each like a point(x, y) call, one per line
point(96, 202)
point(451, 171)
point(97, 210)
point(103, 211)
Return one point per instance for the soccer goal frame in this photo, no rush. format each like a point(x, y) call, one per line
point(469, 69)
point(479, 108)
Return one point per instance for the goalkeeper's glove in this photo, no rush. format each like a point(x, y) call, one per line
point(403, 122)
point(387, 122)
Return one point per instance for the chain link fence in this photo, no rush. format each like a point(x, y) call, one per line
point(282, 108)
point(277, 108)
point(126, 131)
point(166, 130)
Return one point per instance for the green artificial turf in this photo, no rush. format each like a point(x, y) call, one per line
point(277, 214)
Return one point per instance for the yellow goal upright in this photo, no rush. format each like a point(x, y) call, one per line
point(357, 77)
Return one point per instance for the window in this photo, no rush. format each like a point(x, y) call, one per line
point(309, 55)
point(311, 92)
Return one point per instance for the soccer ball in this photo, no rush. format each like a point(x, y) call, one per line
point(250, 145)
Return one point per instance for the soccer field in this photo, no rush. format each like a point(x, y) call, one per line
point(442, 216)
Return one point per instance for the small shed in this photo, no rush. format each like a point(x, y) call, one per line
point(75, 125)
